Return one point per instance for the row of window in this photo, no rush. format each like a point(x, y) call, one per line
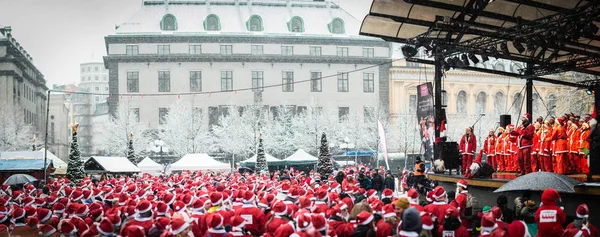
point(214, 112)
point(28, 92)
point(254, 23)
point(29, 117)
point(287, 81)
point(89, 69)
point(96, 78)
point(255, 50)
point(499, 102)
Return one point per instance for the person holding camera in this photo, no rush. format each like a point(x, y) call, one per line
point(581, 219)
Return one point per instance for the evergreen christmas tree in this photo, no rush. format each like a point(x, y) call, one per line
point(75, 171)
point(130, 152)
point(325, 165)
point(261, 159)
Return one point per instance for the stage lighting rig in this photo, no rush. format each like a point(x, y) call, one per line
point(458, 63)
point(465, 59)
point(473, 58)
point(409, 51)
point(504, 48)
point(517, 44)
point(494, 51)
point(590, 30)
point(485, 58)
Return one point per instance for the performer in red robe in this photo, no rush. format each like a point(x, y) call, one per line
point(467, 147)
point(584, 143)
point(559, 136)
point(524, 141)
point(574, 135)
point(500, 163)
point(489, 148)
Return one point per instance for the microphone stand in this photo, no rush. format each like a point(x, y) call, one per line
point(480, 115)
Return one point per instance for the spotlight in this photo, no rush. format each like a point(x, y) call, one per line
point(458, 63)
point(450, 62)
point(517, 44)
point(485, 58)
point(473, 58)
point(590, 30)
point(465, 59)
point(409, 51)
point(494, 51)
point(590, 91)
point(504, 48)
point(426, 43)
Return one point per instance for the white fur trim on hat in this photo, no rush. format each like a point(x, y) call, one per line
point(427, 227)
point(102, 232)
point(145, 210)
point(367, 221)
point(409, 233)
point(462, 185)
point(389, 215)
point(489, 229)
point(180, 229)
point(581, 216)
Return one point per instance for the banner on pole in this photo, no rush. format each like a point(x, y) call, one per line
point(383, 141)
point(426, 118)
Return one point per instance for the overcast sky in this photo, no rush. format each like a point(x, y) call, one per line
point(61, 34)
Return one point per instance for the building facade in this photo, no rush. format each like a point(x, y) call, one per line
point(22, 85)
point(270, 53)
point(59, 131)
point(94, 78)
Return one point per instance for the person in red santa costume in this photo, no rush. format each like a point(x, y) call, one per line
point(216, 200)
point(238, 224)
point(467, 147)
point(255, 218)
point(143, 218)
point(462, 192)
point(215, 224)
point(489, 228)
point(584, 144)
point(499, 218)
point(518, 229)
point(525, 133)
point(385, 226)
point(452, 226)
point(413, 199)
point(279, 218)
point(559, 136)
point(581, 217)
point(550, 216)
point(489, 148)
point(439, 206)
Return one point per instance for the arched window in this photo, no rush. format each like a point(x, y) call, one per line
point(499, 67)
point(499, 103)
point(461, 103)
point(168, 22)
point(552, 104)
point(337, 26)
point(212, 23)
point(255, 23)
point(480, 103)
point(296, 24)
point(517, 103)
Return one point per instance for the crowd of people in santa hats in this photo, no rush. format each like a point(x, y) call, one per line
point(232, 204)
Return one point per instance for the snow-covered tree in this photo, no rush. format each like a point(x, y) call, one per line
point(184, 130)
point(131, 151)
point(15, 135)
point(75, 171)
point(118, 129)
point(236, 133)
point(325, 163)
point(261, 159)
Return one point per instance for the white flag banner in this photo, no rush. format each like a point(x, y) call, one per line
point(383, 143)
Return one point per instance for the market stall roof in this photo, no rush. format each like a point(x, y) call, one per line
point(557, 35)
point(199, 162)
point(108, 164)
point(21, 164)
point(149, 164)
point(301, 157)
point(272, 161)
point(57, 162)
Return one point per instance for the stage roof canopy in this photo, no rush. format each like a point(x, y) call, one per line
point(551, 35)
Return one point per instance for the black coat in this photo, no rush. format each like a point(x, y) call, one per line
point(363, 231)
point(389, 183)
point(377, 182)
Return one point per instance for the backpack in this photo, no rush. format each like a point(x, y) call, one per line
point(472, 207)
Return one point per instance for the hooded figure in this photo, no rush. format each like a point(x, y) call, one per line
point(550, 216)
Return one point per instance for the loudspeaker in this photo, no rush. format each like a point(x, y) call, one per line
point(504, 120)
point(450, 155)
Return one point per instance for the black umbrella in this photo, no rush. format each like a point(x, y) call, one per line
point(540, 181)
point(19, 179)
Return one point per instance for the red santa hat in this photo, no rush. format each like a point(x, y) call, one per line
point(318, 222)
point(168, 198)
point(46, 230)
point(215, 223)
point(322, 195)
point(114, 219)
point(582, 211)
point(497, 213)
point(263, 203)
point(439, 192)
point(58, 208)
point(518, 229)
point(371, 193)
point(66, 227)
point(527, 116)
point(3, 218)
point(303, 222)
point(389, 211)
point(43, 214)
point(279, 208)
point(426, 221)
point(488, 222)
point(462, 183)
point(27, 201)
point(216, 198)
point(134, 231)
point(387, 193)
point(18, 213)
point(413, 196)
point(452, 212)
point(364, 218)
point(248, 196)
point(237, 223)
point(30, 211)
point(82, 210)
point(161, 223)
point(76, 195)
point(143, 206)
point(105, 227)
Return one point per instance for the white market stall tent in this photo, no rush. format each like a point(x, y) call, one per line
point(271, 161)
point(199, 162)
point(149, 166)
point(301, 157)
point(107, 164)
